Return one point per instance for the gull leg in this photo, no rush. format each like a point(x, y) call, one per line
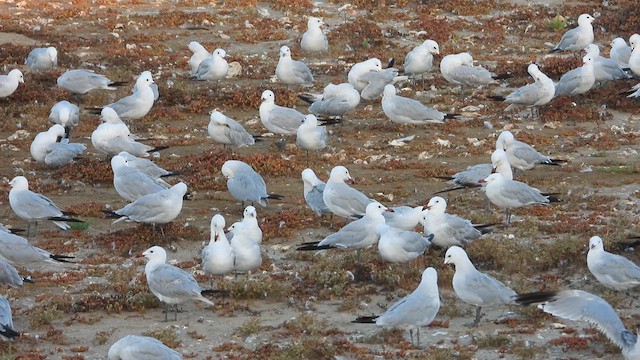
point(418, 336)
point(411, 334)
point(478, 316)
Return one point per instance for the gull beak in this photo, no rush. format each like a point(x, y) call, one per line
point(427, 207)
point(351, 181)
point(493, 170)
point(390, 210)
point(482, 181)
point(215, 237)
point(140, 255)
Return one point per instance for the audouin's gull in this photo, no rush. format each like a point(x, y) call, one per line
point(292, 72)
point(342, 199)
point(134, 347)
point(245, 184)
point(314, 39)
point(313, 190)
point(9, 83)
point(611, 270)
point(577, 38)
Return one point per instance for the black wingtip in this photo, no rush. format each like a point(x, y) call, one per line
point(554, 50)
point(28, 280)
point(119, 83)
point(158, 148)
point(211, 292)
point(69, 213)
point(94, 111)
point(326, 122)
point(61, 258)
point(503, 76)
point(365, 320)
point(16, 231)
point(486, 228)
point(497, 98)
point(65, 219)
point(9, 332)
point(308, 98)
point(275, 196)
point(451, 116)
point(449, 190)
point(173, 173)
point(535, 297)
point(313, 246)
point(554, 199)
point(391, 62)
point(111, 214)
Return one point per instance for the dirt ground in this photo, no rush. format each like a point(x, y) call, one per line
point(301, 305)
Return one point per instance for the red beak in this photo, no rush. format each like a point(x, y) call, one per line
point(140, 255)
point(481, 181)
point(351, 181)
point(215, 237)
point(493, 170)
point(427, 207)
point(390, 210)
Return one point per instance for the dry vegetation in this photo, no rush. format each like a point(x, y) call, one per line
point(299, 305)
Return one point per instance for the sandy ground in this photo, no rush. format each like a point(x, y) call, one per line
point(300, 306)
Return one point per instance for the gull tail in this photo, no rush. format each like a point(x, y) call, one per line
point(16, 231)
point(551, 197)
point(8, 332)
point(119, 83)
point(173, 173)
point(69, 213)
point(158, 148)
point(94, 110)
point(64, 218)
point(451, 116)
point(555, 50)
point(535, 297)
point(257, 138)
point(313, 246)
point(28, 280)
point(275, 196)
point(497, 98)
point(215, 292)
point(205, 300)
point(485, 228)
point(308, 98)
point(61, 258)
point(365, 320)
point(330, 122)
point(502, 76)
point(111, 214)
point(556, 162)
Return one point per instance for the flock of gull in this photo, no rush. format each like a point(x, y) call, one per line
point(369, 223)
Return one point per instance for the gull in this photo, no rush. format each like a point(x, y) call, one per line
point(9, 275)
point(113, 136)
point(405, 110)
point(18, 251)
point(248, 225)
point(508, 194)
point(82, 81)
point(314, 39)
point(133, 347)
point(246, 250)
point(377, 80)
point(523, 156)
point(471, 176)
point(579, 80)
point(50, 148)
point(404, 217)
point(170, 284)
point(292, 72)
point(447, 229)
point(413, 311)
point(146, 166)
point(611, 270)
point(420, 59)
point(539, 93)
point(604, 69)
point(10, 82)
point(42, 59)
point(278, 119)
point(245, 184)
point(580, 305)
point(65, 114)
point(311, 136)
point(458, 69)
point(340, 198)
point(213, 68)
point(158, 208)
point(224, 130)
point(355, 75)
point(313, 192)
point(634, 63)
point(400, 246)
point(6, 320)
point(130, 183)
point(199, 54)
point(359, 234)
point(218, 257)
point(32, 207)
point(334, 101)
point(577, 38)
point(620, 52)
point(475, 287)
point(138, 104)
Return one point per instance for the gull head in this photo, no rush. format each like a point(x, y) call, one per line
point(16, 75)
point(310, 177)
point(454, 254)
point(593, 50)
point(585, 19)
point(57, 130)
point(499, 156)
point(432, 46)
point(217, 224)
point(144, 78)
point(52, 53)
point(250, 212)
point(375, 208)
point(437, 204)
point(618, 42)
point(268, 96)
point(220, 52)
point(154, 253)
point(595, 243)
point(218, 118)
point(310, 120)
point(587, 60)
point(109, 115)
point(492, 178)
point(314, 22)
point(634, 40)
point(506, 138)
point(533, 69)
point(389, 90)
point(340, 174)
point(19, 182)
point(285, 52)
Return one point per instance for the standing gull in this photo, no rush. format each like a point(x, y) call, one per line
point(447, 229)
point(311, 136)
point(170, 284)
point(113, 136)
point(471, 176)
point(458, 69)
point(32, 207)
point(248, 225)
point(342, 199)
point(292, 72)
point(420, 60)
point(404, 110)
point(224, 130)
point(42, 59)
point(146, 166)
point(359, 234)
point(522, 156)
point(133, 347)
point(138, 104)
point(539, 93)
point(577, 38)
point(314, 39)
point(246, 250)
point(355, 75)
point(65, 114)
point(508, 194)
point(6, 320)
point(218, 257)
point(313, 191)
point(10, 82)
point(50, 148)
point(413, 311)
point(474, 287)
point(620, 52)
point(334, 101)
point(579, 80)
point(611, 270)
point(604, 69)
point(157, 208)
point(278, 119)
point(18, 251)
point(245, 184)
point(213, 68)
point(130, 183)
point(580, 305)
